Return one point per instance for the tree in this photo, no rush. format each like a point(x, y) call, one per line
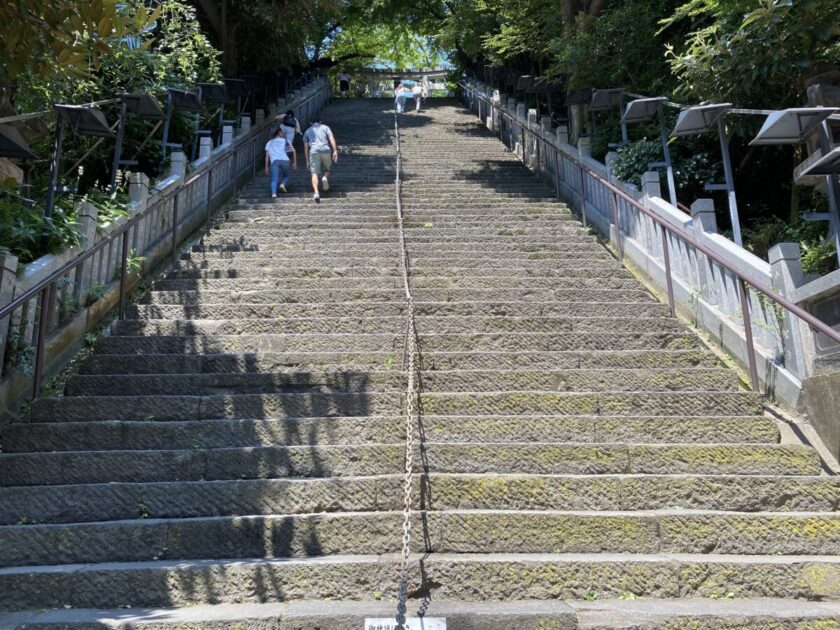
point(64, 36)
point(754, 56)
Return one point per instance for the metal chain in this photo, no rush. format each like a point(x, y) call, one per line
point(410, 366)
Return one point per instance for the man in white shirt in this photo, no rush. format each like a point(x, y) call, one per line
point(344, 84)
point(277, 161)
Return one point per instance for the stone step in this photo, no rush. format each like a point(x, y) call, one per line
point(393, 308)
point(293, 362)
point(363, 403)
point(655, 380)
point(453, 531)
point(440, 491)
point(510, 342)
point(61, 468)
point(471, 577)
point(392, 282)
point(420, 275)
point(303, 615)
point(455, 294)
point(326, 261)
point(425, 325)
point(700, 614)
point(186, 434)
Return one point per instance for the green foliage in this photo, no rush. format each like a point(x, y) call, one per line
point(620, 48)
point(819, 255)
point(753, 53)
point(692, 169)
point(67, 38)
point(25, 232)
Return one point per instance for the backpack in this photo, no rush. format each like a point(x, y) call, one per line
point(289, 120)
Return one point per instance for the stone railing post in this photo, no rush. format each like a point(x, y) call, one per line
point(205, 148)
point(138, 197)
point(584, 147)
point(260, 118)
point(178, 164)
point(244, 125)
point(704, 222)
point(797, 340)
point(650, 188)
point(227, 134)
point(563, 134)
point(87, 226)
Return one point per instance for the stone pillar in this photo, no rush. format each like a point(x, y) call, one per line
point(650, 188)
point(797, 339)
point(260, 117)
point(178, 164)
point(244, 125)
point(227, 134)
point(609, 161)
point(138, 196)
point(545, 124)
point(563, 134)
point(704, 222)
point(650, 184)
point(87, 226)
point(205, 147)
point(8, 269)
point(584, 147)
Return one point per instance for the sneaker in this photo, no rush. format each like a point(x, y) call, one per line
point(325, 183)
point(274, 195)
point(316, 198)
point(282, 189)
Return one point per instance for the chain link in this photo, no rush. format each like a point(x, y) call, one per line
point(410, 366)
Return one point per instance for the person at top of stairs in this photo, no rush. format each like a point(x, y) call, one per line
point(317, 142)
point(277, 161)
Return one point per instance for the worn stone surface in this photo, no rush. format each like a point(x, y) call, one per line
point(239, 439)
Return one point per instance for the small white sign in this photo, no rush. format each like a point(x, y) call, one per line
point(411, 623)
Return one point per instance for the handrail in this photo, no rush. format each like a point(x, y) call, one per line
point(44, 287)
point(743, 279)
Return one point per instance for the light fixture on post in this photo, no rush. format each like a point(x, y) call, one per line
point(177, 99)
point(794, 126)
point(12, 144)
point(236, 89)
point(604, 101)
point(696, 120)
point(143, 106)
point(645, 110)
point(86, 120)
point(210, 93)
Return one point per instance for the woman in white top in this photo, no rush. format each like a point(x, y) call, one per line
point(277, 161)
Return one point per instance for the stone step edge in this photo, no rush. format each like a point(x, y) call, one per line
point(487, 615)
point(416, 558)
point(454, 512)
point(429, 475)
point(291, 615)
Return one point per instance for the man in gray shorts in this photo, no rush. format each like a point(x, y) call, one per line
point(317, 142)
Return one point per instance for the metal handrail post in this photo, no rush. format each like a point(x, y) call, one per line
point(666, 259)
point(174, 252)
point(748, 336)
point(43, 318)
point(617, 222)
point(123, 269)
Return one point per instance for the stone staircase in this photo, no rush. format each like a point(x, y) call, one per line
point(232, 453)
